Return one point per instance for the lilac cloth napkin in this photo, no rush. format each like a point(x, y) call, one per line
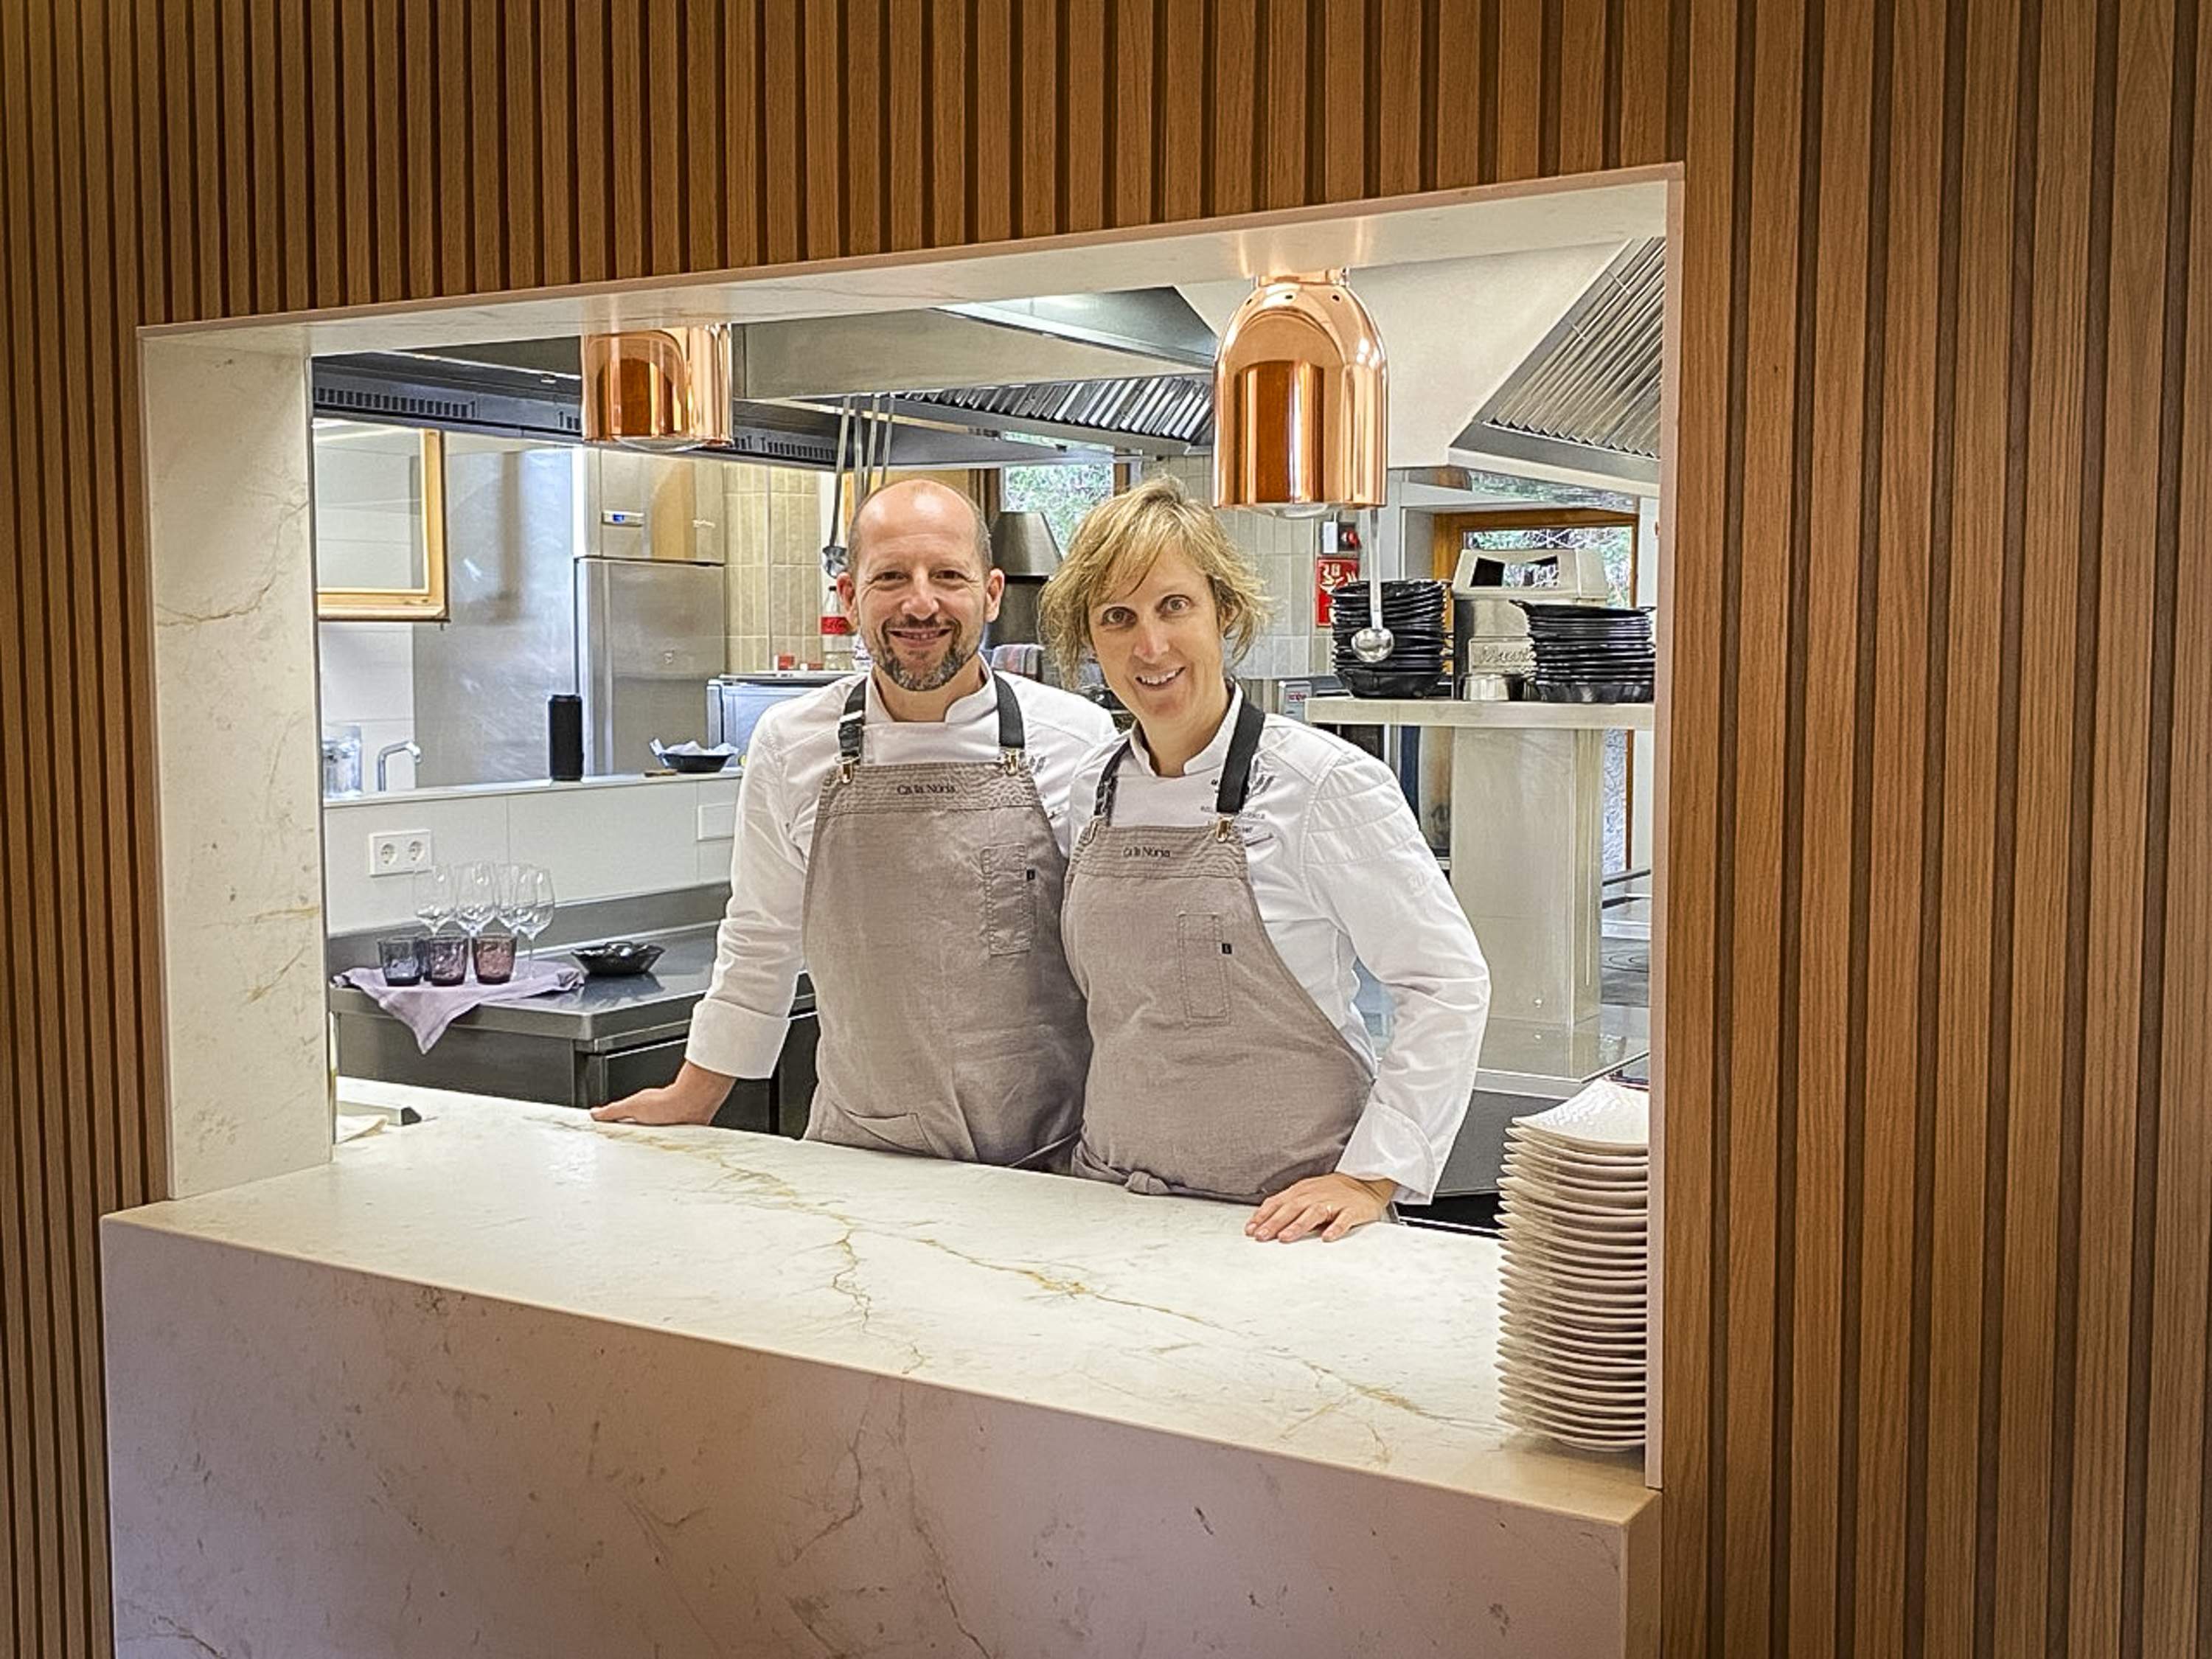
point(427, 1010)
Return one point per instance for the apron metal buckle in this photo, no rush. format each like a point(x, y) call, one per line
point(844, 770)
point(1222, 827)
point(1010, 760)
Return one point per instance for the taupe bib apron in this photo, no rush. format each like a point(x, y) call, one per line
point(949, 1024)
point(1214, 1074)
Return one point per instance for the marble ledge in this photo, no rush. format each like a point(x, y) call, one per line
point(841, 1401)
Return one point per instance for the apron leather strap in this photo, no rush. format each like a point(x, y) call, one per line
point(853, 723)
point(1236, 770)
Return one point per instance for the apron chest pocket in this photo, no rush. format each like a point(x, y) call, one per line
point(1204, 963)
point(1010, 880)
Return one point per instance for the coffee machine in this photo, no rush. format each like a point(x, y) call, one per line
point(1492, 653)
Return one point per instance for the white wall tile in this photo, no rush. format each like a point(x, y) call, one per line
point(605, 842)
point(461, 828)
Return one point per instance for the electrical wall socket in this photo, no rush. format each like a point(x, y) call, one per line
point(401, 852)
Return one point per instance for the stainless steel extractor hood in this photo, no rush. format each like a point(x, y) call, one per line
point(1092, 375)
point(1587, 398)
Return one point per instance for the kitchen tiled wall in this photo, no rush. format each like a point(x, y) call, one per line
point(775, 518)
point(1282, 550)
point(600, 840)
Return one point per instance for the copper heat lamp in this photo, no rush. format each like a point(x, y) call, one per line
point(658, 389)
point(1300, 403)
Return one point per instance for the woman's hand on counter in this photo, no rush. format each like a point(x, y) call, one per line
point(1332, 1204)
point(694, 1097)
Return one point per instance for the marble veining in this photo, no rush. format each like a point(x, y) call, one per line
point(507, 1384)
point(1375, 1353)
point(232, 596)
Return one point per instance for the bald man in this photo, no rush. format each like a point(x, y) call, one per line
point(904, 834)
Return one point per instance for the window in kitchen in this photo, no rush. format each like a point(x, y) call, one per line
point(1063, 492)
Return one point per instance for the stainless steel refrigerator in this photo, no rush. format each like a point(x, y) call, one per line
point(650, 634)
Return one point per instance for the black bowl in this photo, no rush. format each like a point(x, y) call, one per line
point(1388, 681)
point(616, 959)
point(695, 763)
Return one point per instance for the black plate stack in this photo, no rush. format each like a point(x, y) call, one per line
point(1591, 653)
point(1413, 611)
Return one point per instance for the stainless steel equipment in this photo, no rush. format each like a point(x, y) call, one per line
point(1023, 548)
point(1491, 648)
point(735, 703)
point(650, 633)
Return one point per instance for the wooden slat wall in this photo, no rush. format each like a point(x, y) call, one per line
point(1939, 1258)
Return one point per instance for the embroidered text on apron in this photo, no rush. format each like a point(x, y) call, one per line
point(1214, 1074)
point(949, 1024)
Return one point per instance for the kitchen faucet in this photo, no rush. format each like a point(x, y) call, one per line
point(414, 752)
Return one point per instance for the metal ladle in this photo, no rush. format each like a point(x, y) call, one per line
point(1373, 642)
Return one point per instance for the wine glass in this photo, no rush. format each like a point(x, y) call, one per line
point(527, 905)
point(433, 895)
point(475, 895)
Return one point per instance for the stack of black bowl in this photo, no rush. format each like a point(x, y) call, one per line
point(1413, 611)
point(1591, 653)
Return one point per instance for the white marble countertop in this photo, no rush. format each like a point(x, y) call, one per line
point(1375, 1353)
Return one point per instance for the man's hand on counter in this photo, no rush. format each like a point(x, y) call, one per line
point(1331, 1205)
point(694, 1097)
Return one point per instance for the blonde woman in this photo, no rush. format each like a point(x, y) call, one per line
point(1229, 867)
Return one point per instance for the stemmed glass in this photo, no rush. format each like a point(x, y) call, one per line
point(527, 901)
point(433, 895)
point(475, 895)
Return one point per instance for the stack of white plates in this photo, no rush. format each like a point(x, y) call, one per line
point(1576, 1229)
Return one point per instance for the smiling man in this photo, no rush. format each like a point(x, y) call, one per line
point(903, 834)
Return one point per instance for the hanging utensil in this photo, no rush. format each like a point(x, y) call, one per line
point(833, 547)
point(1373, 642)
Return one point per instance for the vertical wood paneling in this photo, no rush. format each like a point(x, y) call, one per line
point(663, 138)
point(1696, 1196)
point(743, 206)
point(1400, 118)
point(1582, 84)
point(1234, 137)
point(823, 88)
point(1939, 1195)
point(865, 102)
point(907, 139)
point(2126, 562)
point(1517, 108)
point(1038, 127)
point(1084, 96)
point(557, 257)
point(1131, 151)
point(2175, 1527)
point(1180, 50)
point(950, 168)
point(1457, 137)
point(2050, 574)
point(1283, 96)
point(1969, 505)
point(630, 107)
point(1341, 117)
point(1819, 809)
point(1755, 609)
point(525, 70)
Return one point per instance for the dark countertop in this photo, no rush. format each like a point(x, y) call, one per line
point(602, 1013)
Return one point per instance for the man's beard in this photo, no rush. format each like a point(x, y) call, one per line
point(959, 652)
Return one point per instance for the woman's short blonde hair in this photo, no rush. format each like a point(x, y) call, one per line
point(1114, 549)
